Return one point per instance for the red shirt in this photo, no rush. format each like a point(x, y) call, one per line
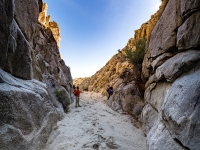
point(77, 93)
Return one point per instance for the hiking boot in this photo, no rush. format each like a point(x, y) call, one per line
point(79, 106)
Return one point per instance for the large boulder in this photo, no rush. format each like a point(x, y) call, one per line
point(181, 109)
point(159, 138)
point(26, 113)
point(127, 99)
point(6, 18)
point(187, 36)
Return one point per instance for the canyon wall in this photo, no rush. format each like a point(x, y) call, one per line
point(171, 68)
point(31, 70)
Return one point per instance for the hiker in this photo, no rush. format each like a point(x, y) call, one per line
point(77, 95)
point(110, 91)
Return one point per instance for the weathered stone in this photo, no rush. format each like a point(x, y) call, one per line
point(155, 94)
point(159, 138)
point(43, 16)
point(146, 67)
point(6, 18)
point(15, 50)
point(56, 32)
point(48, 65)
point(175, 66)
point(27, 117)
point(26, 15)
point(127, 99)
point(182, 107)
point(145, 32)
point(151, 80)
point(163, 36)
point(160, 60)
point(19, 54)
point(189, 7)
point(44, 19)
point(149, 117)
point(188, 36)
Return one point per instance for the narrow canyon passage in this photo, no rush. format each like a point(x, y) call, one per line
point(95, 126)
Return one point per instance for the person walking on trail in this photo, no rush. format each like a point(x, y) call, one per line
point(77, 96)
point(110, 92)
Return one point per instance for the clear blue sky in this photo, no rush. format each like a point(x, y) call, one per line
point(93, 30)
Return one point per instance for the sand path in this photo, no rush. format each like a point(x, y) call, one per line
point(95, 126)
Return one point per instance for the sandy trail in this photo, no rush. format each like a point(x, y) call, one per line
point(95, 126)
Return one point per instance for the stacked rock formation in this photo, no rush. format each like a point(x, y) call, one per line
point(31, 70)
point(44, 19)
point(172, 69)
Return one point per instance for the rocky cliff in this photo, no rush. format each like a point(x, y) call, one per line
point(122, 75)
point(44, 19)
point(172, 69)
point(31, 70)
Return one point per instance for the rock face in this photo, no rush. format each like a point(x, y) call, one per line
point(44, 19)
point(31, 71)
point(26, 113)
point(172, 69)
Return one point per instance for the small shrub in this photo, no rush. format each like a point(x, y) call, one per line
point(63, 98)
point(136, 57)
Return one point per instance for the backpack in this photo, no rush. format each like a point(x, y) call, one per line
point(110, 91)
point(76, 92)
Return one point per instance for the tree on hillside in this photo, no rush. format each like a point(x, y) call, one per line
point(136, 56)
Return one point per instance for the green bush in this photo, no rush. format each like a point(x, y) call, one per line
point(136, 56)
point(63, 98)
